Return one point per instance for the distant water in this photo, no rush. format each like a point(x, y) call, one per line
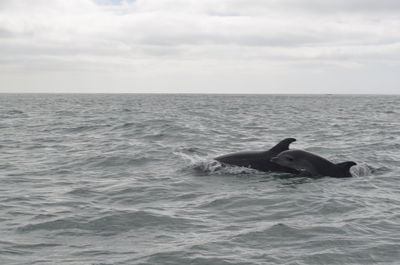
point(129, 179)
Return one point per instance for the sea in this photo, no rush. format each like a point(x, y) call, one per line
point(130, 179)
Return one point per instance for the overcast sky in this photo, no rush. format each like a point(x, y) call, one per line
point(200, 46)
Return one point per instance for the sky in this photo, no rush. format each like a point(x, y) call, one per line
point(200, 46)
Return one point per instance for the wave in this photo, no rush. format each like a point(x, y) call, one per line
point(125, 125)
point(112, 223)
point(361, 170)
point(210, 166)
point(86, 128)
point(365, 170)
point(118, 161)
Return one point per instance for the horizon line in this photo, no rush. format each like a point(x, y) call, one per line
point(197, 93)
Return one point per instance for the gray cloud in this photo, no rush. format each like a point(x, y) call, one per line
point(261, 7)
point(182, 35)
point(345, 6)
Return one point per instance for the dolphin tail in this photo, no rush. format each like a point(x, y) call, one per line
point(344, 168)
point(282, 146)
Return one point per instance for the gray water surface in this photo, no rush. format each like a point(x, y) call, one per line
point(130, 179)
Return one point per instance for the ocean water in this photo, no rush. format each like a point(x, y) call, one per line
point(130, 179)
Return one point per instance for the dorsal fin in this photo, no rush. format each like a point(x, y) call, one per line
point(344, 168)
point(282, 145)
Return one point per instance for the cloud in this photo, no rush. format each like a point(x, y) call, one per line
point(358, 6)
point(105, 35)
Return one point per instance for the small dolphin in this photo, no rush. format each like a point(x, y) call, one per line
point(313, 164)
point(259, 160)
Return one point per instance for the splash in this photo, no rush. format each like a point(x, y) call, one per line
point(206, 164)
point(361, 170)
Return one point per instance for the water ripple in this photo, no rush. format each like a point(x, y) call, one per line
point(131, 179)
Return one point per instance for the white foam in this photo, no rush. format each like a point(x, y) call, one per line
point(361, 170)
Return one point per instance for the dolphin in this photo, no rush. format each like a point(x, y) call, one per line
point(259, 160)
point(313, 164)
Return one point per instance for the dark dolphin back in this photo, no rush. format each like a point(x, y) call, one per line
point(259, 160)
point(281, 146)
point(343, 169)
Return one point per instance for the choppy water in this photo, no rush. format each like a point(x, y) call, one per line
point(129, 179)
